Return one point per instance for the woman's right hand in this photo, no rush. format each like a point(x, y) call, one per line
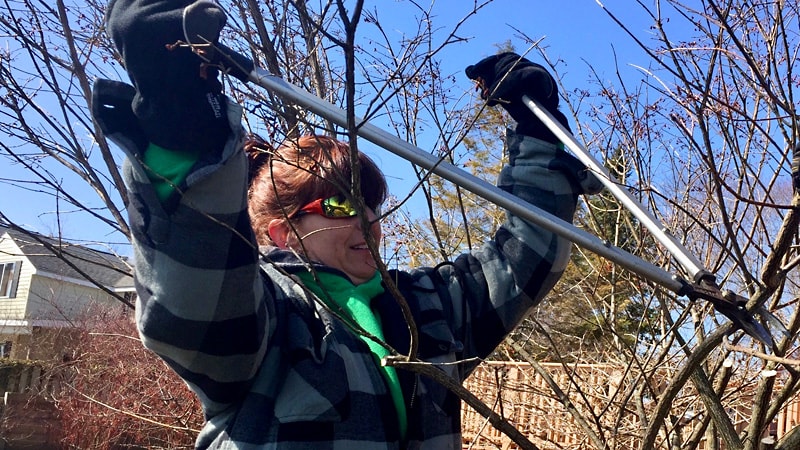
point(179, 100)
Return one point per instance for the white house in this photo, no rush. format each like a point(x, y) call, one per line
point(48, 285)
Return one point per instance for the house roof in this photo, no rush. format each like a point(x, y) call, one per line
point(56, 257)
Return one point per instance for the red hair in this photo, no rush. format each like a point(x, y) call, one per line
point(300, 171)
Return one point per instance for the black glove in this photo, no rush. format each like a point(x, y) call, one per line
point(179, 101)
point(504, 78)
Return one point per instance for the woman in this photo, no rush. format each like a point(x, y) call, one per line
point(264, 296)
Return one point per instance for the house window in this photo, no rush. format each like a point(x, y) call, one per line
point(5, 349)
point(8, 278)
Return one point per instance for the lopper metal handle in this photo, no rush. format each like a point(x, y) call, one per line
point(244, 69)
point(689, 263)
point(482, 188)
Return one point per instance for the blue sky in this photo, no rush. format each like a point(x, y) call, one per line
point(580, 37)
point(578, 32)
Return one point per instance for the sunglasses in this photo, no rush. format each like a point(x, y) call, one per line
point(336, 207)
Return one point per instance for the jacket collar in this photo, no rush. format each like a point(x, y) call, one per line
point(291, 262)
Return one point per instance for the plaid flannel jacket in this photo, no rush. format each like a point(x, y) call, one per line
point(271, 366)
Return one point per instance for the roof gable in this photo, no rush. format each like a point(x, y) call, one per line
point(56, 257)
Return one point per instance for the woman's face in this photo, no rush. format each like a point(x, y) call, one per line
point(337, 243)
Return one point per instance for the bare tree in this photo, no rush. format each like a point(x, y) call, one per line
point(707, 138)
point(704, 140)
point(53, 53)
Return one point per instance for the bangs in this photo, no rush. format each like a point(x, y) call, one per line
point(336, 157)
